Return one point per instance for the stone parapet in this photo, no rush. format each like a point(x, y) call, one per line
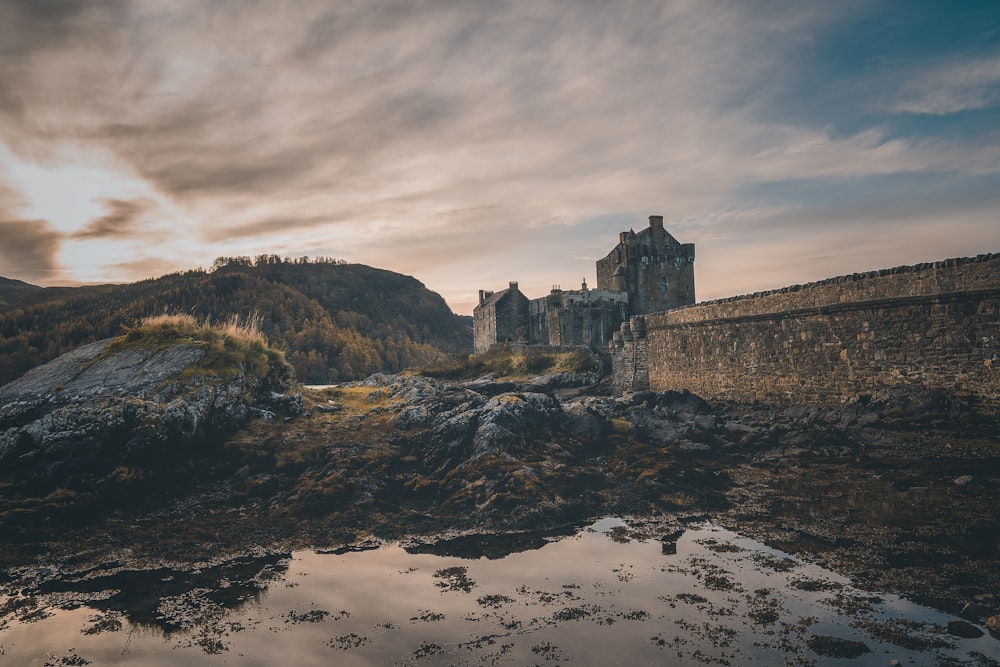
point(930, 326)
point(930, 279)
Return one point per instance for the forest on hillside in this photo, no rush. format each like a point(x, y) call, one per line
point(12, 291)
point(334, 321)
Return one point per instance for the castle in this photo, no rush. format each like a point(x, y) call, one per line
point(647, 272)
point(930, 326)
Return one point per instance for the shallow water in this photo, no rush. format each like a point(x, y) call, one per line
point(708, 596)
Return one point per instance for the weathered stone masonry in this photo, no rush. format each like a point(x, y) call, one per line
point(925, 326)
point(629, 362)
point(647, 271)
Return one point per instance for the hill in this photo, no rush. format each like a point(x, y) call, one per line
point(334, 321)
point(12, 291)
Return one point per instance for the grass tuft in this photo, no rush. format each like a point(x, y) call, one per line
point(245, 331)
point(234, 346)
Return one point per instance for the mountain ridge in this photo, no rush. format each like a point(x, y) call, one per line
point(335, 321)
point(12, 291)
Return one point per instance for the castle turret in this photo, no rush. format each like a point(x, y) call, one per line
point(620, 279)
point(651, 266)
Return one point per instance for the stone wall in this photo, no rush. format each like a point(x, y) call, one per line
point(588, 325)
point(951, 275)
point(926, 326)
point(629, 357)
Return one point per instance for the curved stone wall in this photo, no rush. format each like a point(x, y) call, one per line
point(927, 326)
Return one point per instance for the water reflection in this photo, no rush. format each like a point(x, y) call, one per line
point(597, 597)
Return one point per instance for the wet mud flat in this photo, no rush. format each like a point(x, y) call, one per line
point(906, 510)
point(605, 594)
point(897, 504)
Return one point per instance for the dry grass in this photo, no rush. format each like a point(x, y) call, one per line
point(358, 429)
point(242, 330)
point(168, 322)
point(247, 330)
point(233, 346)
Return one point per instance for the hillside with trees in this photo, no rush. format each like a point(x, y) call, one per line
point(334, 321)
point(13, 291)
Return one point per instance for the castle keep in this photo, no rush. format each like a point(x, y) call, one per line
point(646, 272)
point(652, 267)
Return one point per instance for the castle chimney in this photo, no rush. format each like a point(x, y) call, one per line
point(622, 237)
point(513, 284)
point(482, 296)
point(656, 221)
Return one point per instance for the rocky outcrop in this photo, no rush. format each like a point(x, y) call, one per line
point(105, 410)
point(401, 454)
point(498, 453)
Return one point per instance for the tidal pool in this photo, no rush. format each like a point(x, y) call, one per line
point(703, 595)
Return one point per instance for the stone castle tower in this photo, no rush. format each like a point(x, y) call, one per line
point(647, 272)
point(652, 266)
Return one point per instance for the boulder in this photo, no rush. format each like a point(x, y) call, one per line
point(964, 629)
point(103, 406)
point(836, 647)
point(563, 380)
point(510, 419)
point(584, 424)
point(993, 626)
point(487, 385)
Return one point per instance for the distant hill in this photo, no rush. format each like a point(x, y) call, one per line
point(334, 321)
point(12, 291)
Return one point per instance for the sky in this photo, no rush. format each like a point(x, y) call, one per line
point(472, 143)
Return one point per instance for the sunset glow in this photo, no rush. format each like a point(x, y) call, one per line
point(472, 144)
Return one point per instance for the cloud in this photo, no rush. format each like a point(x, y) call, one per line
point(121, 219)
point(950, 88)
point(144, 266)
point(28, 249)
point(416, 98)
point(354, 129)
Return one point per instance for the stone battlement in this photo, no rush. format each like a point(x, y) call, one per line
point(934, 278)
point(927, 326)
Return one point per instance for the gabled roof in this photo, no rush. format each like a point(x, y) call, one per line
point(492, 299)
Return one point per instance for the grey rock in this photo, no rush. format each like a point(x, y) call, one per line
point(837, 647)
point(487, 385)
point(993, 626)
point(562, 380)
point(123, 403)
point(706, 422)
point(681, 402)
point(964, 629)
point(963, 480)
point(690, 446)
point(581, 423)
point(286, 404)
point(507, 419)
point(266, 415)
